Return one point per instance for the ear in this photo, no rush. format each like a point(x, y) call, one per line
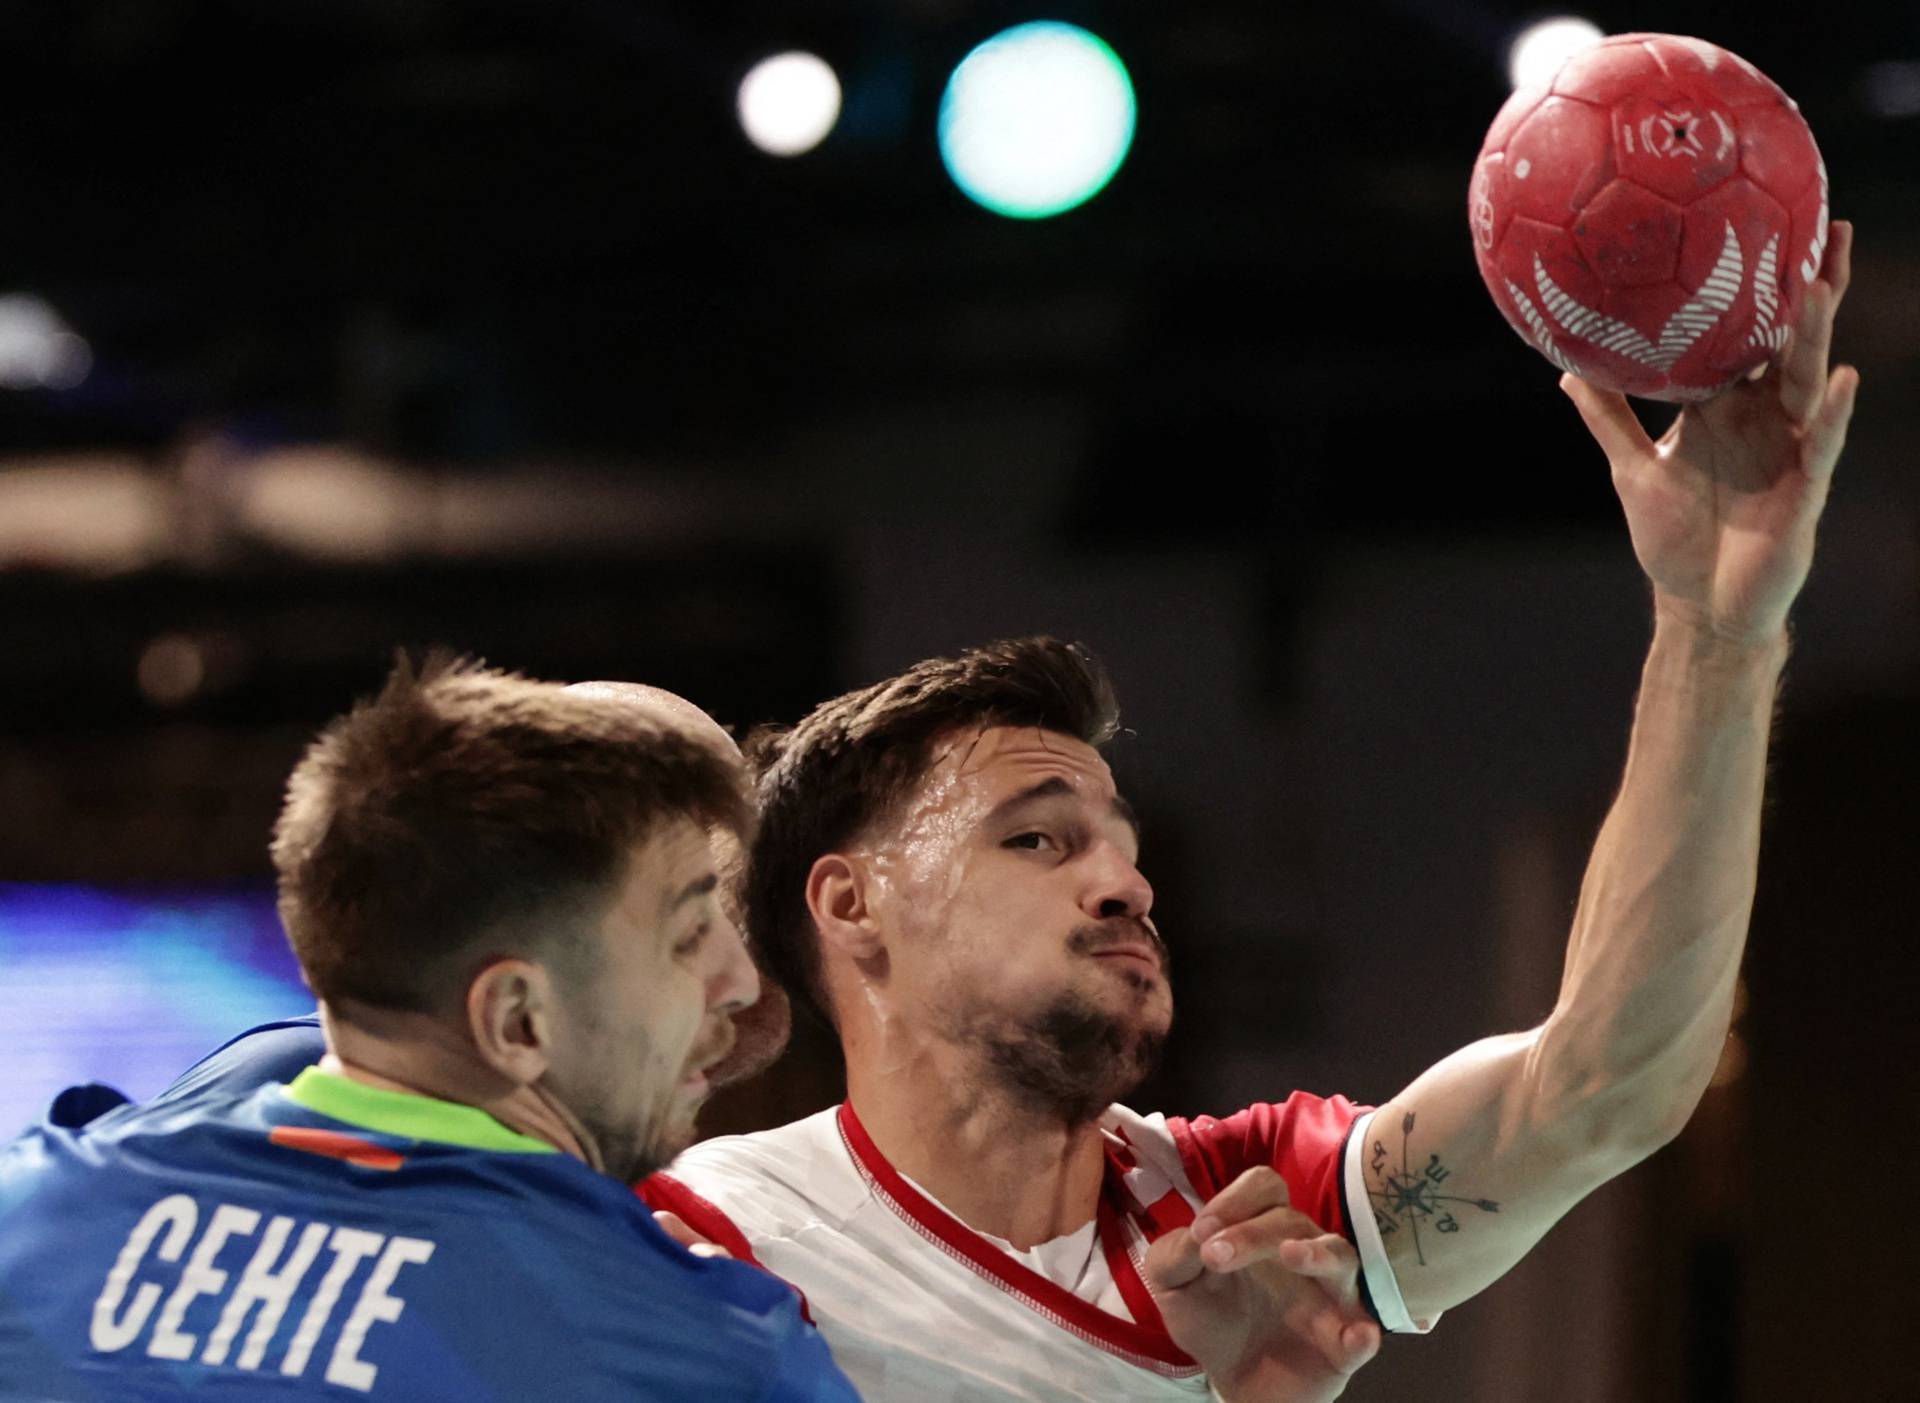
point(839, 896)
point(510, 1017)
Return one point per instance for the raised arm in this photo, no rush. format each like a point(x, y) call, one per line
point(1472, 1163)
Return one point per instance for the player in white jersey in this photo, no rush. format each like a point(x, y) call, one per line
point(917, 1305)
point(945, 868)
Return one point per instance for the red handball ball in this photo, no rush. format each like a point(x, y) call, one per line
point(1651, 218)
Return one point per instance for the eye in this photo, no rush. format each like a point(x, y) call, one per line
point(692, 942)
point(1030, 842)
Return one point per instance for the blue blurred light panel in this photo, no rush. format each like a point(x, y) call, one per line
point(129, 988)
point(1036, 120)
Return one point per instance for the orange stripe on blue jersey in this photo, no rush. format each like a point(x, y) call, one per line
point(334, 1145)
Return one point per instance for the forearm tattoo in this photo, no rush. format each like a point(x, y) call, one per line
point(1408, 1197)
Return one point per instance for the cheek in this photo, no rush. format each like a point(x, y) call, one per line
point(930, 853)
point(679, 1006)
point(659, 1011)
point(925, 908)
point(1009, 940)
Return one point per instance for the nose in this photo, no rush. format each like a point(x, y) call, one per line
point(1117, 887)
point(734, 982)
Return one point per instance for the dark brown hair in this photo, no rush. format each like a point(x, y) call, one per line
point(466, 813)
point(853, 759)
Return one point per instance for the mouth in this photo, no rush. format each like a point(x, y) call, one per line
point(703, 1062)
point(1143, 957)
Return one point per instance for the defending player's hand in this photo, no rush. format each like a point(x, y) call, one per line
point(1722, 508)
point(676, 1228)
point(1266, 1302)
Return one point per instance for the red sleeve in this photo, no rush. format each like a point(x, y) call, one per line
point(1302, 1138)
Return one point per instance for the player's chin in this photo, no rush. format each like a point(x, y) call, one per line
point(1139, 1023)
point(679, 1130)
point(1154, 1023)
point(1135, 987)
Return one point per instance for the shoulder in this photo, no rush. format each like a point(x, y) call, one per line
point(97, 1122)
point(1301, 1138)
point(289, 1158)
point(267, 1052)
point(567, 1253)
point(786, 1153)
point(772, 1182)
point(1301, 1130)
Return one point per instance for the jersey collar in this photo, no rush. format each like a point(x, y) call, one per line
point(407, 1115)
point(1143, 1341)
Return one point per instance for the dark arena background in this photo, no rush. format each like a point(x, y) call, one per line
point(331, 326)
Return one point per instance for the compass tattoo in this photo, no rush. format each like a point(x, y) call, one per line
point(1407, 1196)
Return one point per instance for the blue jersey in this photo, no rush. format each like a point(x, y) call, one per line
point(269, 1052)
point(328, 1239)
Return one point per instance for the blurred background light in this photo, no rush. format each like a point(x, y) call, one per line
point(171, 669)
point(96, 513)
point(1893, 88)
point(788, 103)
point(38, 350)
point(1538, 50)
point(331, 501)
point(1036, 120)
point(130, 987)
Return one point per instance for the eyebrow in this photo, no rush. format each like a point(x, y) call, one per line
point(698, 887)
point(1057, 788)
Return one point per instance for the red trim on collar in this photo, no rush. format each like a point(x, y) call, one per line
point(1144, 1343)
point(1117, 1243)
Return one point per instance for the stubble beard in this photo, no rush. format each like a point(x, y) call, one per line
point(630, 1153)
point(1068, 1061)
point(635, 1141)
point(630, 1160)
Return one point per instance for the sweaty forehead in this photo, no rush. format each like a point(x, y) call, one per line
point(997, 761)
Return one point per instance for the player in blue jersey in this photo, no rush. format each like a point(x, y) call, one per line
point(504, 897)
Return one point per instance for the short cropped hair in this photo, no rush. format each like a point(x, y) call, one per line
point(464, 814)
point(853, 760)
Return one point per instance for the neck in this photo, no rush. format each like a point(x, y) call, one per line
point(997, 1165)
point(423, 1055)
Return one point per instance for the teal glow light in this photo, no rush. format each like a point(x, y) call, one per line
point(1036, 120)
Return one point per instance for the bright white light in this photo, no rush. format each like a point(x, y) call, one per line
point(39, 351)
point(1540, 49)
point(1036, 120)
point(788, 103)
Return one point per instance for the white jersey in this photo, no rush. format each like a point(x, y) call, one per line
point(919, 1308)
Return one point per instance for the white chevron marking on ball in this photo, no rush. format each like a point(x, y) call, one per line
point(1696, 317)
point(1708, 54)
point(1542, 334)
point(1817, 247)
point(1726, 137)
point(1711, 54)
point(1766, 295)
point(1705, 308)
point(1580, 320)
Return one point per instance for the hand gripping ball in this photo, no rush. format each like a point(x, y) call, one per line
point(1651, 218)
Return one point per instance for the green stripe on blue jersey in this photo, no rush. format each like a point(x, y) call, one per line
point(405, 1114)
